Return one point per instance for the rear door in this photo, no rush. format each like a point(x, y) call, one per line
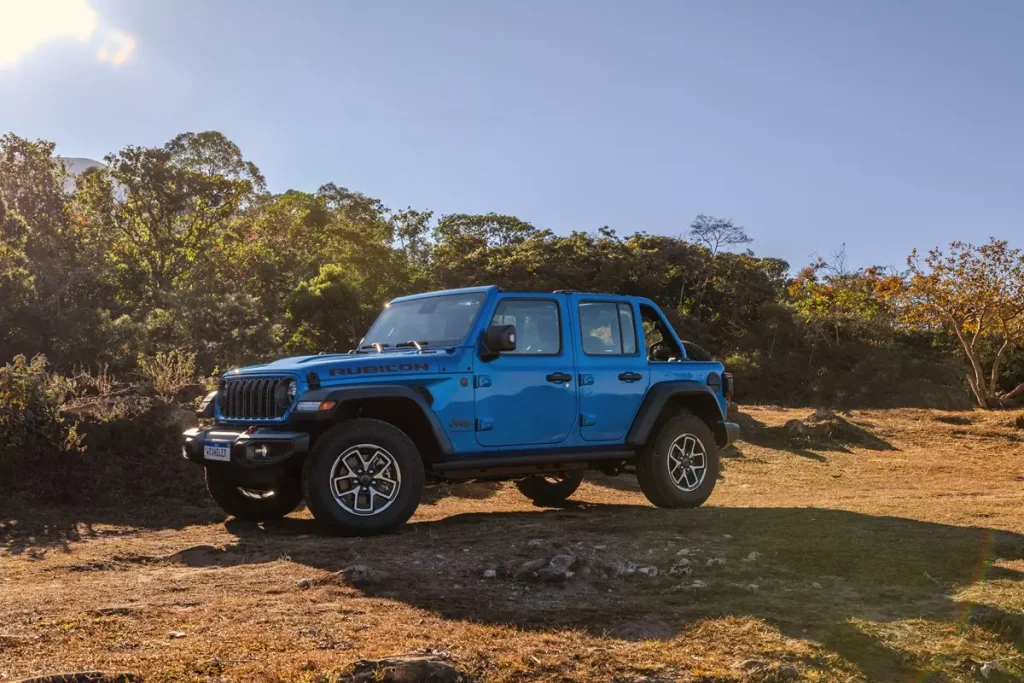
point(613, 373)
point(527, 397)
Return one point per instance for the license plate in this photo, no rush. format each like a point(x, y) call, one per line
point(220, 452)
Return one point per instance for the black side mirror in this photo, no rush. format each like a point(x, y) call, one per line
point(499, 338)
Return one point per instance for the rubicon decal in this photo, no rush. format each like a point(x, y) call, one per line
point(380, 369)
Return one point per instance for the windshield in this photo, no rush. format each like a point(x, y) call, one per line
point(434, 321)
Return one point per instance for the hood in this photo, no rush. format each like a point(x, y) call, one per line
point(350, 365)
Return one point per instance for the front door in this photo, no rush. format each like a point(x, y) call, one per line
point(613, 374)
point(527, 397)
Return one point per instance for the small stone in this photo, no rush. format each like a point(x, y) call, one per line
point(557, 570)
point(334, 645)
point(600, 547)
point(304, 583)
point(787, 672)
point(715, 562)
point(174, 635)
point(647, 570)
point(752, 587)
point(680, 568)
point(466, 550)
point(691, 587)
point(490, 573)
point(685, 552)
point(815, 584)
point(753, 557)
point(536, 543)
point(989, 668)
point(620, 568)
point(361, 575)
point(528, 569)
point(752, 664)
point(727, 537)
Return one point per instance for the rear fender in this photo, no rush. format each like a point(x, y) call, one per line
point(665, 399)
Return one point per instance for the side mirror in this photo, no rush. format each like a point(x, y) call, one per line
point(498, 338)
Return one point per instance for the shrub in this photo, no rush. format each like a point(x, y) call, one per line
point(168, 372)
point(35, 439)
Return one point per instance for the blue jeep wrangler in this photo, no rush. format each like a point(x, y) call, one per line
point(469, 384)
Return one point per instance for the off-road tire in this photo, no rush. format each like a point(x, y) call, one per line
point(544, 490)
point(223, 485)
point(695, 352)
point(653, 472)
point(317, 474)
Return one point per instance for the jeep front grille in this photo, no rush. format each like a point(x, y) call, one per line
point(252, 399)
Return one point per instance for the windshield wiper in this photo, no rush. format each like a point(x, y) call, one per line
point(418, 344)
point(379, 347)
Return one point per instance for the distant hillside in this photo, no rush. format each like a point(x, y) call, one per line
point(78, 165)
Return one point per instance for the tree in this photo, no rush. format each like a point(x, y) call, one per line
point(978, 293)
point(717, 233)
point(166, 209)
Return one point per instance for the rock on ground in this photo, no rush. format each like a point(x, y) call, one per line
point(404, 669)
point(359, 575)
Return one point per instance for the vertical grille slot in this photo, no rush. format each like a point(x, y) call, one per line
point(251, 399)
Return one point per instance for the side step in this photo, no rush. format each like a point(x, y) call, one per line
point(499, 465)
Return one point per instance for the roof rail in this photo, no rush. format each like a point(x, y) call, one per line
point(566, 291)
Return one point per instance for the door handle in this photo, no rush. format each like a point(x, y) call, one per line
point(559, 377)
point(631, 377)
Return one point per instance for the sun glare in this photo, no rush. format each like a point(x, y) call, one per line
point(27, 24)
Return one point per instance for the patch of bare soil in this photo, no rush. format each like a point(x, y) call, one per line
point(885, 547)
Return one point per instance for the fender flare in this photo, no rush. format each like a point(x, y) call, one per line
point(658, 396)
point(418, 395)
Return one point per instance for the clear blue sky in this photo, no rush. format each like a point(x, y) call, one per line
point(884, 125)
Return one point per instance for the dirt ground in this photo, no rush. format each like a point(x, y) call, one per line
point(884, 547)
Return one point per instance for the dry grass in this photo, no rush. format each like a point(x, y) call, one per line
point(889, 550)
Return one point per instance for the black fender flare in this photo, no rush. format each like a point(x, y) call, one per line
point(658, 396)
point(419, 395)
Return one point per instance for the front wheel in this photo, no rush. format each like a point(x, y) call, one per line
point(550, 489)
point(363, 477)
point(679, 467)
point(253, 504)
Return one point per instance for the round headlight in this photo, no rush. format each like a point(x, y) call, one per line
point(284, 395)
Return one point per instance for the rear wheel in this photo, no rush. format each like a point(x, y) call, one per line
point(244, 502)
point(679, 467)
point(363, 477)
point(550, 489)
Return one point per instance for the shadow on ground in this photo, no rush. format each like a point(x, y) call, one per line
point(818, 570)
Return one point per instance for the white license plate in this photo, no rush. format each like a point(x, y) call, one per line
point(220, 452)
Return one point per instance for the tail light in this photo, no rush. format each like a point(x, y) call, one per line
point(728, 386)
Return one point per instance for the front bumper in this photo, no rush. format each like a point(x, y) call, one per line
point(726, 433)
point(257, 448)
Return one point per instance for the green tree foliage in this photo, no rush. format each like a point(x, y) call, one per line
point(180, 248)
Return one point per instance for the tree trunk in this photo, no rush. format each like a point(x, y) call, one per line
point(995, 368)
point(977, 383)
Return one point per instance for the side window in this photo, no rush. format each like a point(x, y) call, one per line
point(628, 328)
point(538, 327)
point(607, 329)
point(661, 346)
